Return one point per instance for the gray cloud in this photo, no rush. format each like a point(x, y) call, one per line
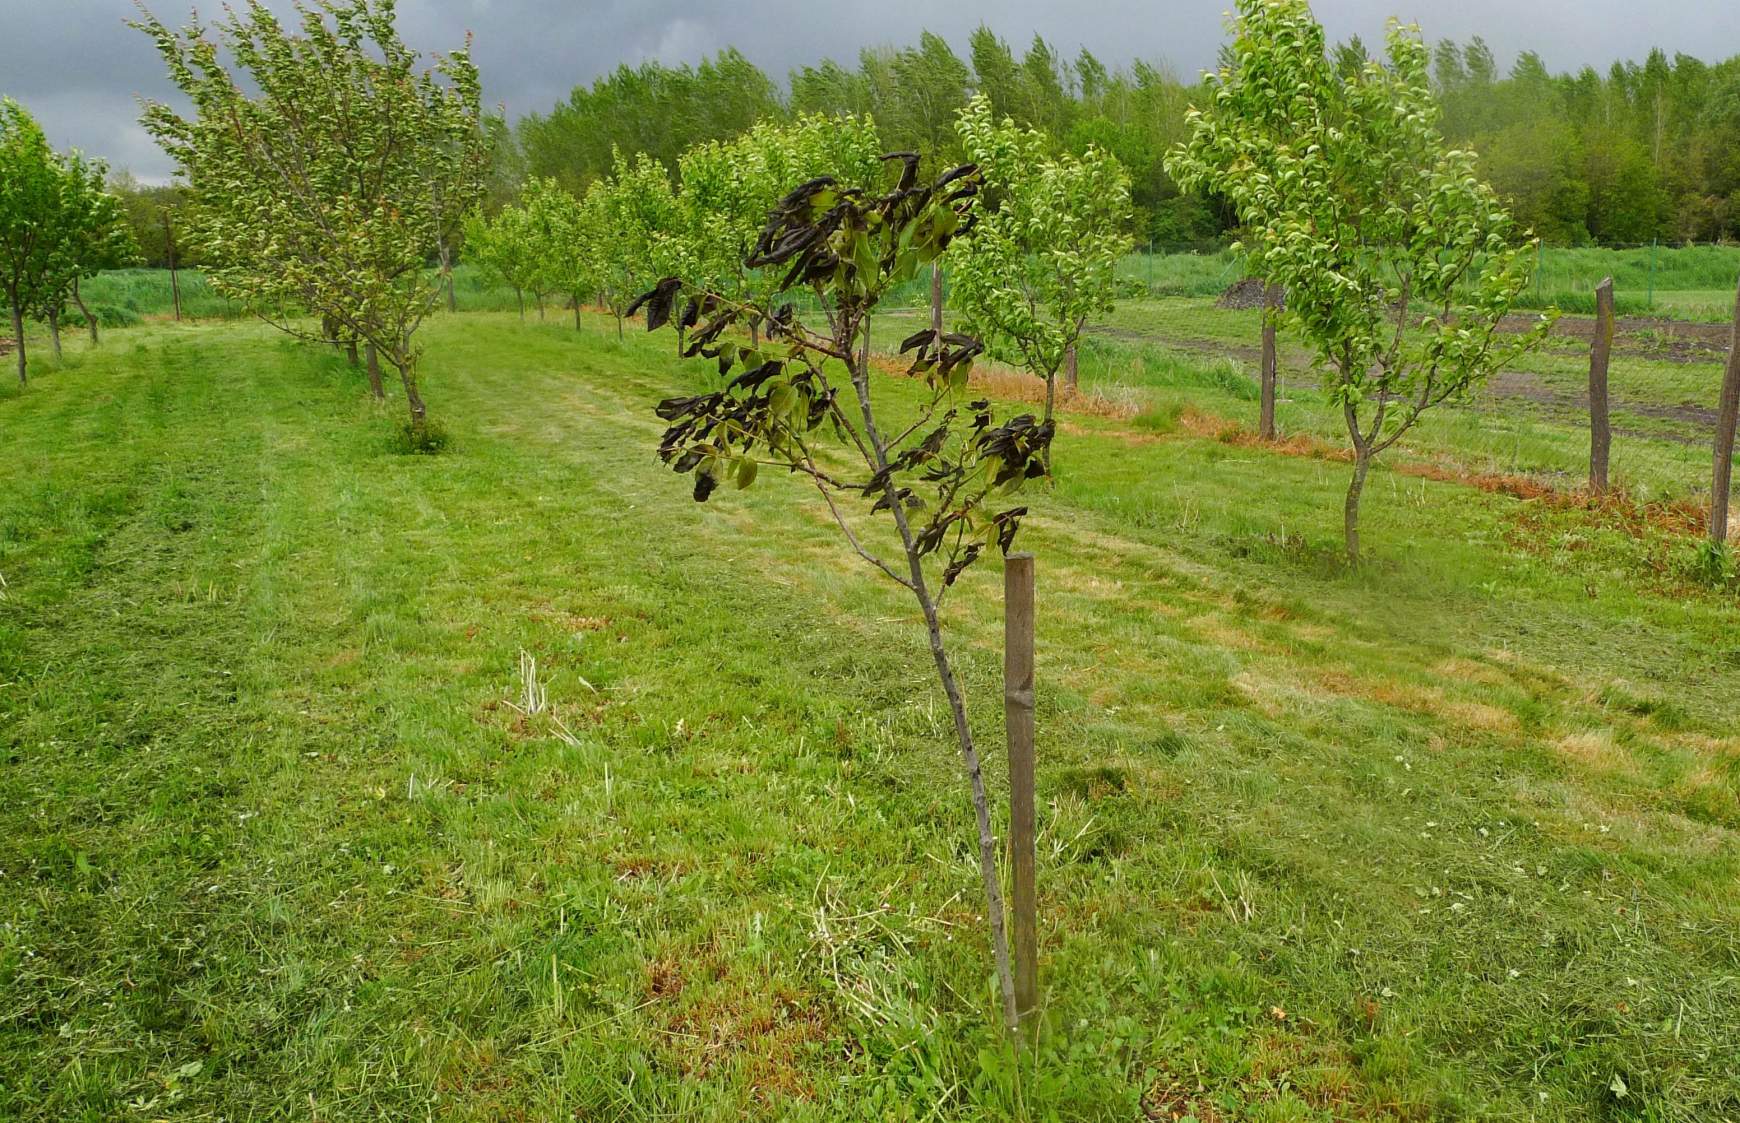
point(77, 66)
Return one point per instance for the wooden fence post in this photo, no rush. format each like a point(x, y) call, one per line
point(1727, 415)
point(1018, 719)
point(1266, 422)
point(1600, 432)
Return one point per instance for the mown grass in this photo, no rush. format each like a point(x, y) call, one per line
point(1450, 837)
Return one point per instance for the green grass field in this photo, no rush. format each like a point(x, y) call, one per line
point(1456, 836)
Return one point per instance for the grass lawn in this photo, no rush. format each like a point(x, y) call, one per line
point(1455, 836)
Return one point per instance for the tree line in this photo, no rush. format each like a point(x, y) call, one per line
point(1645, 151)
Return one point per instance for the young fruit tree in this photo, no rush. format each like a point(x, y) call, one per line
point(564, 242)
point(30, 200)
point(92, 234)
point(507, 250)
point(633, 220)
point(326, 168)
point(1397, 261)
point(940, 476)
point(1043, 256)
point(729, 187)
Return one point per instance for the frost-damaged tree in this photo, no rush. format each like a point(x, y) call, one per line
point(1042, 259)
point(1397, 261)
point(91, 234)
point(940, 476)
point(327, 170)
point(30, 196)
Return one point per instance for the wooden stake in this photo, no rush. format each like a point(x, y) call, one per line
point(1018, 719)
point(1727, 418)
point(1266, 419)
point(1600, 433)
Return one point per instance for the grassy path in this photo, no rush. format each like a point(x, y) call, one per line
point(1454, 837)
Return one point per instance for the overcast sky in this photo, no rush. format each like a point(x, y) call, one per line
point(80, 69)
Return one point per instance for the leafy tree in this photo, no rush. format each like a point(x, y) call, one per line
point(30, 199)
point(507, 249)
point(729, 188)
point(938, 477)
point(330, 188)
point(91, 234)
point(634, 221)
point(565, 242)
point(1043, 261)
point(1397, 261)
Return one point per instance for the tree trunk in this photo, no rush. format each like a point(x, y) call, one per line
point(54, 330)
point(374, 364)
point(169, 254)
point(90, 320)
point(519, 294)
point(618, 325)
point(957, 707)
point(350, 352)
point(1267, 376)
point(576, 313)
point(539, 297)
point(18, 338)
point(1071, 372)
point(413, 399)
point(1726, 418)
point(447, 272)
point(1600, 432)
point(1350, 513)
point(754, 334)
point(936, 297)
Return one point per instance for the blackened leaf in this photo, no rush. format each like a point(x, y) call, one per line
point(704, 485)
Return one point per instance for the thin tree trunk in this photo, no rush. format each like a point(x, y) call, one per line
point(1600, 432)
point(18, 338)
point(618, 325)
point(936, 297)
point(539, 297)
point(520, 295)
point(90, 320)
point(169, 253)
point(1267, 377)
point(54, 330)
point(1071, 370)
point(447, 272)
point(957, 707)
point(576, 313)
point(413, 399)
point(374, 364)
point(350, 352)
point(1726, 418)
point(754, 334)
point(1350, 513)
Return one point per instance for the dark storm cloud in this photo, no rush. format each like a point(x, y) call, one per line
point(80, 69)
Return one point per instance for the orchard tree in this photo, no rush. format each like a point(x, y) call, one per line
point(506, 249)
point(634, 223)
point(1397, 261)
point(729, 188)
point(1044, 258)
point(91, 234)
point(564, 242)
point(30, 199)
point(327, 169)
point(940, 476)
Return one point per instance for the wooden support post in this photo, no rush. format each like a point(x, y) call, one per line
point(1018, 720)
point(1266, 420)
point(1600, 432)
point(936, 296)
point(1727, 417)
point(169, 253)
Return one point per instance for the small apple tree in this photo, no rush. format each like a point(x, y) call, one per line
point(940, 476)
point(564, 242)
point(633, 222)
point(1044, 259)
point(1397, 261)
point(30, 191)
point(506, 250)
point(91, 234)
point(327, 169)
